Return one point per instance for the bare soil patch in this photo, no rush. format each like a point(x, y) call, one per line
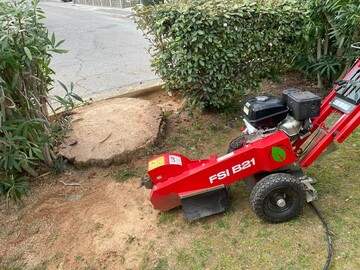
point(95, 225)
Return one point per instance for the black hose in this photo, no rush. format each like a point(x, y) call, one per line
point(328, 259)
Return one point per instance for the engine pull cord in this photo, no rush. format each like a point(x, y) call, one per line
point(330, 249)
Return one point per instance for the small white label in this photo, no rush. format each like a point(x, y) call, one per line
point(342, 105)
point(175, 160)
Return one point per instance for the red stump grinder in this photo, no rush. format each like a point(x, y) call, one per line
point(281, 138)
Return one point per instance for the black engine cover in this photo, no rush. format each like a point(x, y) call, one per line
point(264, 111)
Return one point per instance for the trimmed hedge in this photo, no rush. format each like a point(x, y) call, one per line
point(214, 51)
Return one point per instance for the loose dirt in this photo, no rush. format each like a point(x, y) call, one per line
point(98, 224)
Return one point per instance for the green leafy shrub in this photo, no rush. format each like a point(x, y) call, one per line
point(14, 188)
point(214, 51)
point(26, 133)
point(329, 32)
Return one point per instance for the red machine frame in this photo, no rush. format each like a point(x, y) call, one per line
point(340, 131)
point(175, 177)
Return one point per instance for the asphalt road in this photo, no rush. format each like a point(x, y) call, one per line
point(107, 54)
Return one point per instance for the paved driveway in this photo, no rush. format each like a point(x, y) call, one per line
point(107, 54)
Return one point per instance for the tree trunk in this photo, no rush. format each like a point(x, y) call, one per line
point(326, 41)
point(345, 70)
point(47, 156)
point(318, 56)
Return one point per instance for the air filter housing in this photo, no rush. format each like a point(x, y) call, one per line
point(302, 104)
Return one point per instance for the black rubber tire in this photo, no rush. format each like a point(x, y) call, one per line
point(272, 188)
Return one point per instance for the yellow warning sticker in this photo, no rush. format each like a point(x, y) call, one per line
point(246, 110)
point(156, 163)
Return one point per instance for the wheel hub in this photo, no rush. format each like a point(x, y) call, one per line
point(281, 202)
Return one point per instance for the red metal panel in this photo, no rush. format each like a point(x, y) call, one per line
point(325, 111)
point(265, 155)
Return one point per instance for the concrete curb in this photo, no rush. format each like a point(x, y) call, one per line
point(133, 90)
point(108, 3)
point(130, 91)
point(113, 11)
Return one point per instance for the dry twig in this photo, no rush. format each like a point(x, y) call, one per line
point(70, 184)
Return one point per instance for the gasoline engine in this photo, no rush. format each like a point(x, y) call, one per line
point(265, 115)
